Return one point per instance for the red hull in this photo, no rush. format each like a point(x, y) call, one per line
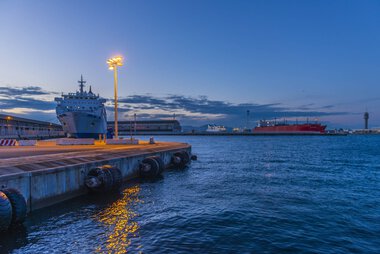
point(292, 129)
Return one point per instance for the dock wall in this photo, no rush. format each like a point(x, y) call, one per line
point(45, 187)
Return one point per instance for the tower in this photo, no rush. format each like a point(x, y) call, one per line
point(247, 120)
point(366, 117)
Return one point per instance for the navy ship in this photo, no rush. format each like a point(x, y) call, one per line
point(82, 114)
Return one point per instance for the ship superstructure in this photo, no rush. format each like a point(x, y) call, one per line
point(82, 114)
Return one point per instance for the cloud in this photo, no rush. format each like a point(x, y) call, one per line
point(30, 101)
point(203, 110)
point(32, 97)
point(24, 102)
point(23, 91)
point(190, 110)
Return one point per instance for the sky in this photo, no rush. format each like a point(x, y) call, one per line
point(204, 61)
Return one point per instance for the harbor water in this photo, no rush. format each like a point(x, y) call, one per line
point(245, 194)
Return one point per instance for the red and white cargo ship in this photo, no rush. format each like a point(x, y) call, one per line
point(273, 127)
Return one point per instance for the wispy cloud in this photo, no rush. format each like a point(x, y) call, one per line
point(24, 102)
point(23, 91)
point(202, 110)
point(190, 110)
point(31, 101)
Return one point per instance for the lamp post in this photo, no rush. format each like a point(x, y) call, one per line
point(8, 125)
point(113, 63)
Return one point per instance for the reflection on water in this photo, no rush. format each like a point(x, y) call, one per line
point(118, 221)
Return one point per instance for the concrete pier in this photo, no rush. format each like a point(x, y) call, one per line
point(47, 174)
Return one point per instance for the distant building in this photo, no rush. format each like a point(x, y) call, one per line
point(146, 127)
point(18, 127)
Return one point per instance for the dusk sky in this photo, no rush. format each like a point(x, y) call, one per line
point(205, 61)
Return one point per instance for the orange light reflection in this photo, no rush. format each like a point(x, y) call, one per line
point(119, 219)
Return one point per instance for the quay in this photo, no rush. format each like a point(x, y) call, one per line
point(48, 173)
point(239, 134)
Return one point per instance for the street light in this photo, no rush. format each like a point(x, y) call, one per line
point(113, 63)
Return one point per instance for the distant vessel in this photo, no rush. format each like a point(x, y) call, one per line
point(273, 127)
point(216, 128)
point(82, 114)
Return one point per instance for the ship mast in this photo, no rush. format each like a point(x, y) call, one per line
point(81, 82)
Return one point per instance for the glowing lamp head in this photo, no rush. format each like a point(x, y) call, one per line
point(114, 62)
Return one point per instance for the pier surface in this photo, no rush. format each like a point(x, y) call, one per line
point(47, 173)
point(47, 155)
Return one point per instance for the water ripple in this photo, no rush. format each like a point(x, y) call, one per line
point(243, 195)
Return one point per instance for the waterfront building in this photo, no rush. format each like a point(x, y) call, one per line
point(147, 127)
point(18, 127)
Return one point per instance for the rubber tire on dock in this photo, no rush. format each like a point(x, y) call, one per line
point(154, 170)
point(5, 212)
point(117, 177)
point(160, 163)
point(105, 177)
point(108, 179)
point(18, 205)
point(185, 159)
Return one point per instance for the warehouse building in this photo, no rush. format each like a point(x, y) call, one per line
point(23, 128)
point(147, 127)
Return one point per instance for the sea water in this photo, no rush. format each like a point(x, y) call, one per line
point(272, 194)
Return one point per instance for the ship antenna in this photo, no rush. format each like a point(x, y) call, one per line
point(81, 82)
point(90, 90)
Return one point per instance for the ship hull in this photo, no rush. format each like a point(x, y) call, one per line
point(301, 129)
point(83, 124)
